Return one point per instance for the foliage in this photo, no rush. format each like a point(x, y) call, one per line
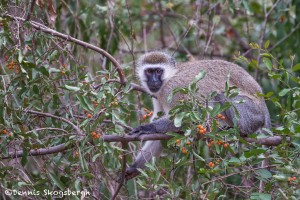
point(57, 94)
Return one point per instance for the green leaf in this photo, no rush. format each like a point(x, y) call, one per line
point(55, 70)
point(267, 43)
point(143, 173)
point(264, 173)
point(254, 152)
point(234, 160)
point(57, 181)
point(54, 55)
point(178, 119)
point(284, 92)
point(268, 63)
point(20, 58)
point(77, 184)
point(199, 76)
point(198, 156)
point(24, 159)
point(72, 88)
point(215, 110)
point(43, 70)
point(83, 102)
point(296, 67)
point(82, 160)
point(176, 90)
point(266, 55)
point(176, 137)
point(263, 196)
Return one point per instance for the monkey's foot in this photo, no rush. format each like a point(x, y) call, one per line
point(131, 172)
point(143, 129)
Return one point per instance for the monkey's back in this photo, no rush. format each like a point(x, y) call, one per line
point(217, 72)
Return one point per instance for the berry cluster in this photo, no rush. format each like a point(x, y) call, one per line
point(201, 129)
point(96, 135)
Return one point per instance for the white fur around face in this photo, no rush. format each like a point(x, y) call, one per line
point(168, 72)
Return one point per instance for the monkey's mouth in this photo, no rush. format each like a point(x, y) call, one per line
point(154, 86)
point(154, 89)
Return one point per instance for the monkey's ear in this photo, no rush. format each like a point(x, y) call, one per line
point(173, 61)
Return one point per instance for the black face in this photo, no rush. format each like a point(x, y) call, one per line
point(154, 76)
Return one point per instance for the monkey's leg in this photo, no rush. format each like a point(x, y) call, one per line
point(150, 149)
point(251, 115)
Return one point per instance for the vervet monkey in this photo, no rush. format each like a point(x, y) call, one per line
point(160, 75)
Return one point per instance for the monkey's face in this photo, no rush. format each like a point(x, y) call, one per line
point(154, 78)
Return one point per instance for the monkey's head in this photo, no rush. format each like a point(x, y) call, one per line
point(155, 69)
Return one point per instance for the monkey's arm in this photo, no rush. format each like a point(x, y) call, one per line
point(162, 125)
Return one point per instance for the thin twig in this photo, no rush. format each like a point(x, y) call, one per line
point(124, 145)
point(235, 173)
point(30, 10)
point(66, 37)
point(76, 128)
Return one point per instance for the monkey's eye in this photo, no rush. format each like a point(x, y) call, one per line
point(148, 71)
point(159, 71)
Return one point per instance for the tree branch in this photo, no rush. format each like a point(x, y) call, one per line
point(124, 145)
point(270, 141)
point(79, 132)
point(66, 37)
point(38, 152)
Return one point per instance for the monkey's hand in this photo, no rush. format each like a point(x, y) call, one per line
point(160, 126)
point(144, 129)
point(131, 172)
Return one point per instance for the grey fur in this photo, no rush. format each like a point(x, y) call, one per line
point(253, 113)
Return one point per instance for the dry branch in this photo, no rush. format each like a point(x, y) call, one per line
point(66, 37)
point(270, 141)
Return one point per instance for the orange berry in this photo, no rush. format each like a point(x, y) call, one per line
point(294, 178)
point(212, 142)
point(202, 131)
point(94, 133)
point(76, 154)
point(219, 115)
point(223, 118)
point(209, 145)
point(184, 150)
point(188, 143)
point(200, 126)
point(89, 115)
point(95, 103)
point(145, 117)
point(150, 114)
point(289, 178)
point(98, 135)
point(177, 141)
point(4, 131)
point(211, 164)
point(225, 145)
point(218, 160)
